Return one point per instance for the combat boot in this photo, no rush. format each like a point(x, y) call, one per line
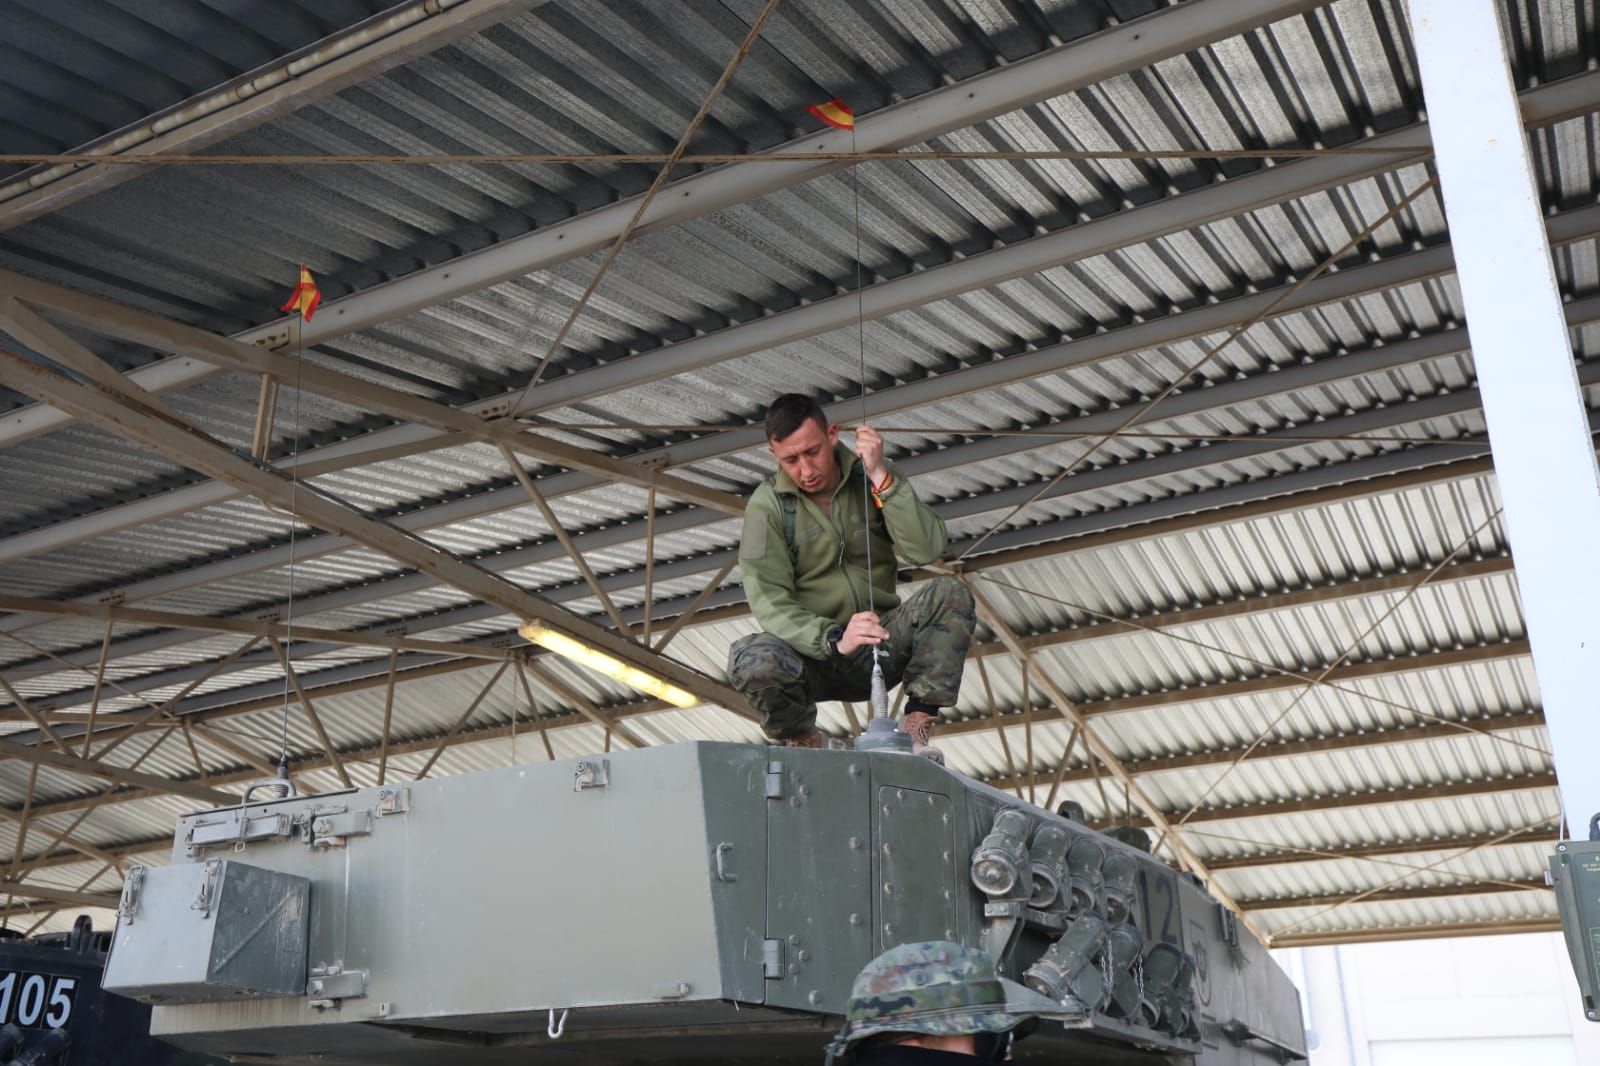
point(918, 725)
point(811, 738)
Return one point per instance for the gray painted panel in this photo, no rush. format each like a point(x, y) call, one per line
point(915, 859)
point(735, 812)
point(819, 901)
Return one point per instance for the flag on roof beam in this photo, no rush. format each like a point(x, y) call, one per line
point(835, 113)
point(305, 297)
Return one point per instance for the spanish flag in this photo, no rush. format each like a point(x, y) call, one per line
point(835, 113)
point(305, 296)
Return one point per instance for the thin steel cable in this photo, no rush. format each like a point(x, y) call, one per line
point(861, 352)
point(878, 694)
point(1384, 617)
point(294, 524)
point(1268, 665)
point(645, 201)
point(696, 159)
point(1260, 316)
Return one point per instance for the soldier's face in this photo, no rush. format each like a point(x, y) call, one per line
point(806, 455)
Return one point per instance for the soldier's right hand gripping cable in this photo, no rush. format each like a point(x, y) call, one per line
point(933, 1003)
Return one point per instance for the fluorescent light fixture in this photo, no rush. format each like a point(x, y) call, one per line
point(572, 648)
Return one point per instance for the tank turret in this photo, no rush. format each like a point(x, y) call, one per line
point(695, 902)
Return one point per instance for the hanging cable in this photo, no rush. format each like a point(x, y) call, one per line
point(282, 787)
point(879, 691)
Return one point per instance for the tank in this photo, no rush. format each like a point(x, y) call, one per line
point(689, 903)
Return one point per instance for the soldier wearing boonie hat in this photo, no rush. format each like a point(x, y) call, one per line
point(934, 1002)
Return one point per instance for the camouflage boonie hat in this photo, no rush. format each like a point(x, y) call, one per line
point(938, 988)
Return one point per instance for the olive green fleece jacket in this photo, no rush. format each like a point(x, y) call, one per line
point(798, 596)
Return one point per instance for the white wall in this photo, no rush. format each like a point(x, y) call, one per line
point(1468, 1001)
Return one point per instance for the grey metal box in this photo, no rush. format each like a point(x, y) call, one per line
point(209, 932)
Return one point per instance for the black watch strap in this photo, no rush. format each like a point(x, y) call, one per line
point(833, 637)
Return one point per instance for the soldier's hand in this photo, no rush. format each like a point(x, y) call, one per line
point(862, 631)
point(869, 446)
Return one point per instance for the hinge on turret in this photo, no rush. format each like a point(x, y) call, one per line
point(128, 906)
point(1228, 926)
point(773, 785)
point(772, 959)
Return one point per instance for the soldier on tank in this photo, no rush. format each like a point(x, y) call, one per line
point(934, 1004)
point(809, 532)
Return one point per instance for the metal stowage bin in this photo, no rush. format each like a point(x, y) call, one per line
point(209, 932)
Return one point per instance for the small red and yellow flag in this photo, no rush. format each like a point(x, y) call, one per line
point(305, 296)
point(835, 113)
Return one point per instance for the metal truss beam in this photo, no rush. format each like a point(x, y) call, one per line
point(209, 624)
point(1380, 797)
point(365, 50)
point(1404, 892)
point(732, 599)
point(1185, 325)
point(1253, 686)
point(1191, 459)
point(616, 714)
point(142, 327)
point(355, 677)
point(108, 772)
point(1424, 731)
point(1247, 604)
point(350, 678)
point(376, 673)
point(1181, 326)
point(50, 894)
point(1068, 67)
point(351, 452)
point(123, 417)
point(1183, 211)
point(1431, 931)
point(1219, 397)
point(131, 850)
point(47, 909)
point(1413, 846)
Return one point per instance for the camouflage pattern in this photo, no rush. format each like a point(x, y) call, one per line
point(937, 988)
point(929, 634)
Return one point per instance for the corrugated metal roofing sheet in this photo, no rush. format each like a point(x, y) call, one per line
point(215, 247)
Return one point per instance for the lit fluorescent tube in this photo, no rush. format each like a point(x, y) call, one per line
point(572, 648)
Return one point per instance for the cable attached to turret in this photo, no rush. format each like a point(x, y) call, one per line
point(880, 691)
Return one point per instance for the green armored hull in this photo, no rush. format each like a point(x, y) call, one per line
point(696, 902)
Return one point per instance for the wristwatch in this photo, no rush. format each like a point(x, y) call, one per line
point(833, 637)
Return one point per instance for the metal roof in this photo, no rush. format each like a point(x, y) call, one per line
point(1246, 565)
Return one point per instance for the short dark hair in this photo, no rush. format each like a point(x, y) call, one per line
point(789, 412)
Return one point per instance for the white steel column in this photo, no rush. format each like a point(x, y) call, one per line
point(1538, 428)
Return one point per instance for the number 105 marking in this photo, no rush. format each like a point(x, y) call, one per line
point(23, 999)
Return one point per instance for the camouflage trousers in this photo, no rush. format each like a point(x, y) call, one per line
point(929, 633)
